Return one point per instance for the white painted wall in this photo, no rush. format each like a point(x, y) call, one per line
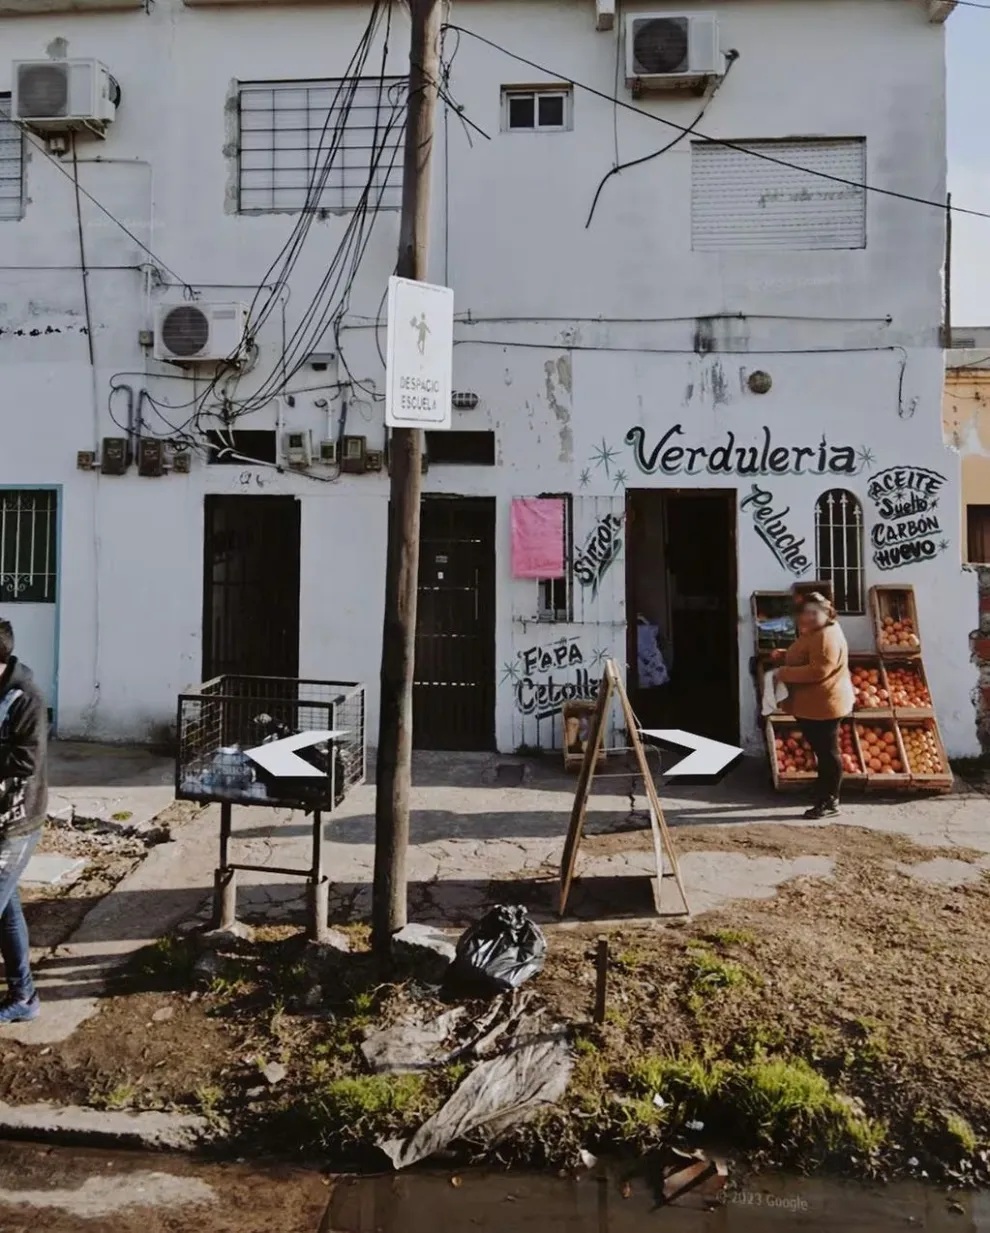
point(509, 235)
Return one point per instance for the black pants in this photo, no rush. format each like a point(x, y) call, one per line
point(823, 737)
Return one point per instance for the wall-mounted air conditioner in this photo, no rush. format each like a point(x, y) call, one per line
point(64, 95)
point(193, 333)
point(671, 51)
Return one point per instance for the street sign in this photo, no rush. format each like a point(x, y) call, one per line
point(708, 758)
point(279, 758)
point(420, 354)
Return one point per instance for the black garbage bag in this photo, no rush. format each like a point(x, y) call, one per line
point(499, 952)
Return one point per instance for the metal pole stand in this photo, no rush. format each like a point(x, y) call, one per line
point(225, 877)
point(318, 888)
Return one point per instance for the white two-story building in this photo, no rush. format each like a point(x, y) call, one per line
point(677, 308)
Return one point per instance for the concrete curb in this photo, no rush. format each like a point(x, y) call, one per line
point(148, 1131)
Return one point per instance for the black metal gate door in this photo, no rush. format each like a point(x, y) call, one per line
point(454, 690)
point(251, 586)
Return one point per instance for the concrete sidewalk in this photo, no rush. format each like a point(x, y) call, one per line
point(480, 825)
point(112, 784)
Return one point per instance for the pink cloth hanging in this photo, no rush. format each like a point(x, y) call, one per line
point(538, 537)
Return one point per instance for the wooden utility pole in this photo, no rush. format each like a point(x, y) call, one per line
point(394, 771)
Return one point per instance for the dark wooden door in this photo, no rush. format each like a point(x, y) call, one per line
point(454, 690)
point(251, 586)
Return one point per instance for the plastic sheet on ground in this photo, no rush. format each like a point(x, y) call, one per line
point(414, 1044)
point(505, 1091)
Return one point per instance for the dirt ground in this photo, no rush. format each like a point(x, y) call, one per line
point(843, 1023)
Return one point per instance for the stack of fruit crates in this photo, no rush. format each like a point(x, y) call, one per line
point(892, 740)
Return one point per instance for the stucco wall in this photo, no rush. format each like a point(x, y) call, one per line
point(577, 334)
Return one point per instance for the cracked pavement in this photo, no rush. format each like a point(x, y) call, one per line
point(474, 842)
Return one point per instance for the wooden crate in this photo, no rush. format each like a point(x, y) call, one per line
point(847, 726)
point(916, 667)
point(784, 727)
point(872, 663)
point(575, 720)
point(773, 606)
point(939, 780)
point(800, 589)
point(880, 779)
point(894, 604)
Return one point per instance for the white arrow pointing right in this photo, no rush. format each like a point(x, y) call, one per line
point(707, 758)
point(280, 759)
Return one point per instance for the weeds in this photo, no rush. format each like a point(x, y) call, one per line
point(208, 1097)
point(731, 937)
point(777, 1101)
point(119, 1096)
point(166, 964)
point(958, 1129)
point(709, 971)
point(360, 1108)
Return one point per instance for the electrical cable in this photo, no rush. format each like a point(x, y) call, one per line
point(731, 57)
point(82, 258)
point(101, 207)
point(342, 269)
point(739, 147)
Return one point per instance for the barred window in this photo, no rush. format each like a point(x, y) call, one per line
point(318, 145)
point(839, 547)
point(555, 596)
point(11, 164)
point(28, 546)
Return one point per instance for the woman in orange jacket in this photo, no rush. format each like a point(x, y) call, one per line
point(815, 669)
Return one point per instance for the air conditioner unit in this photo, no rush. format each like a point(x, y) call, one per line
point(671, 51)
point(193, 333)
point(63, 95)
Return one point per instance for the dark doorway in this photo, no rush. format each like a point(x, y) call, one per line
point(454, 691)
point(251, 586)
point(681, 594)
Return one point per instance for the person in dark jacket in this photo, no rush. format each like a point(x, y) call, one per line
point(23, 809)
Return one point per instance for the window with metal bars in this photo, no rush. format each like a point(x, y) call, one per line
point(839, 547)
point(28, 546)
point(555, 597)
point(318, 145)
point(11, 164)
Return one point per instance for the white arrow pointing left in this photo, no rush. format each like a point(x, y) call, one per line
point(707, 758)
point(280, 759)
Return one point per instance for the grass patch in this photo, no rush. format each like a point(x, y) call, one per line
point(731, 937)
point(958, 1129)
point(362, 1108)
point(775, 1102)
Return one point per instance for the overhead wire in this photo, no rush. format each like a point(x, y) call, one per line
point(73, 178)
point(731, 57)
point(739, 146)
point(338, 279)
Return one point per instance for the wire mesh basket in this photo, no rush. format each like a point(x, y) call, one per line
point(220, 721)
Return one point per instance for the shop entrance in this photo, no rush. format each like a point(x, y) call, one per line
point(454, 689)
point(681, 604)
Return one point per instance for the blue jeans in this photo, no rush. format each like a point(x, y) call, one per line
point(14, 945)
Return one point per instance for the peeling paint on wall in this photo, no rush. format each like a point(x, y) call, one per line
point(559, 384)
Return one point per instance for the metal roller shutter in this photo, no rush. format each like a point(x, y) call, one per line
point(738, 201)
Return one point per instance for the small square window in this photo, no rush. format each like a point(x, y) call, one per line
point(529, 110)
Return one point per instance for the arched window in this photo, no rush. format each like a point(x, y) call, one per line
point(839, 547)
